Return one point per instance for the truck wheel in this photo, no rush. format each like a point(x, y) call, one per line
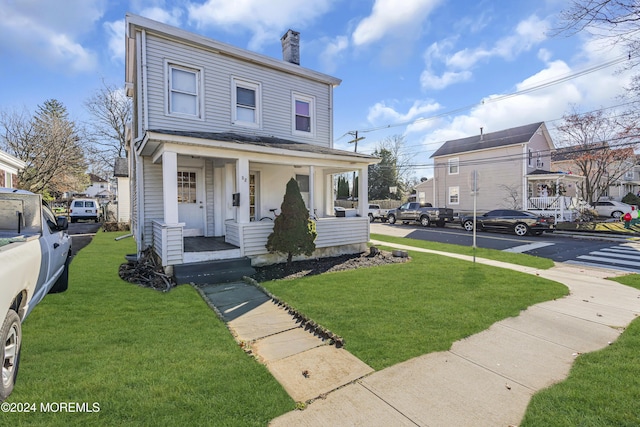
point(521, 229)
point(425, 221)
point(11, 342)
point(371, 218)
point(392, 219)
point(62, 283)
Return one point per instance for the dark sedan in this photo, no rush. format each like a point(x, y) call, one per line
point(520, 222)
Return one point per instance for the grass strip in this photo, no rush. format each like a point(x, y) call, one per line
point(391, 313)
point(602, 389)
point(146, 358)
point(496, 255)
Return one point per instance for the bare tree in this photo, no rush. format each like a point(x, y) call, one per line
point(599, 147)
point(512, 196)
point(400, 160)
point(111, 111)
point(50, 145)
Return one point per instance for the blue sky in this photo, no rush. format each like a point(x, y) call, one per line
point(430, 70)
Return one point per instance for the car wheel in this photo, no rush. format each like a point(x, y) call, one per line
point(371, 218)
point(425, 221)
point(62, 283)
point(616, 214)
point(521, 229)
point(468, 225)
point(11, 341)
point(392, 219)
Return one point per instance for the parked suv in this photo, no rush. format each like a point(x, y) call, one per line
point(84, 209)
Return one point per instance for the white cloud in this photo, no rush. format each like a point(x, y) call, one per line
point(267, 20)
point(115, 39)
point(171, 17)
point(428, 80)
point(392, 17)
point(333, 51)
point(49, 33)
point(380, 113)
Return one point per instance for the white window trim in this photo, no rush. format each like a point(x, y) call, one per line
point(457, 191)
point(199, 71)
point(453, 162)
point(257, 87)
point(312, 112)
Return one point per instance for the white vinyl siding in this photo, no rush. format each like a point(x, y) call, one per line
point(153, 203)
point(184, 91)
point(276, 87)
point(246, 103)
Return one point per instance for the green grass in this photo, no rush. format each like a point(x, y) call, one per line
point(512, 258)
point(603, 387)
point(147, 358)
point(392, 313)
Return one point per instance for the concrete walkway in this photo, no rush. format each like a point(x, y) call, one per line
point(304, 363)
point(488, 378)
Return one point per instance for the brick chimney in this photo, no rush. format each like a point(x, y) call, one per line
point(291, 47)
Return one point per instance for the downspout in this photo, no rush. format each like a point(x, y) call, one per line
point(525, 189)
point(145, 99)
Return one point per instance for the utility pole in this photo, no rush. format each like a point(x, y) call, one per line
point(355, 150)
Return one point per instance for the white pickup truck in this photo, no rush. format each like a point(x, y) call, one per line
point(35, 252)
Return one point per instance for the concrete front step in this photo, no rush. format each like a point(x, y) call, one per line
point(214, 271)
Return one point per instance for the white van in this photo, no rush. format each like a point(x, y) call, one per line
point(84, 209)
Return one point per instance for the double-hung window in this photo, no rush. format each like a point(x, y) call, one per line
point(246, 103)
point(454, 166)
point(303, 115)
point(454, 195)
point(184, 90)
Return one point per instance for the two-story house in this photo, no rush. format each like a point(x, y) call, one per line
point(9, 168)
point(511, 169)
point(217, 133)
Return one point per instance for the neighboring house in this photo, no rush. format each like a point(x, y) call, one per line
point(513, 171)
point(621, 176)
point(9, 167)
point(99, 188)
point(123, 205)
point(424, 192)
point(217, 133)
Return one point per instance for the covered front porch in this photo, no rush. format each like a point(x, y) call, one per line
point(554, 194)
point(229, 191)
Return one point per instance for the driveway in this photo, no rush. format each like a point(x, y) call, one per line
point(81, 234)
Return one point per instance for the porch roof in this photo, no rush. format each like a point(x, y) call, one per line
point(248, 143)
point(542, 175)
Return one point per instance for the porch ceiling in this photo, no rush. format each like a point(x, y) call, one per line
point(231, 142)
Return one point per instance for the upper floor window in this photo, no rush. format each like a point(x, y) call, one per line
point(246, 103)
point(184, 90)
point(454, 166)
point(303, 115)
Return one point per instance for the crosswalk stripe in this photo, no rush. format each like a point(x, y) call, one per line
point(609, 260)
point(529, 247)
point(617, 254)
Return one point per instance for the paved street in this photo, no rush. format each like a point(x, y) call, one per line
point(618, 253)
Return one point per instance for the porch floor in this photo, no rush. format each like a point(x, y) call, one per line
point(206, 244)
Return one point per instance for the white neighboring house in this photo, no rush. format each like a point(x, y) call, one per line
point(99, 188)
point(9, 167)
point(123, 194)
point(217, 133)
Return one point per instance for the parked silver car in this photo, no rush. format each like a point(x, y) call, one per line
point(611, 208)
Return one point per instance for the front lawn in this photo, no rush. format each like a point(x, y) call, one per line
point(603, 387)
point(395, 312)
point(146, 358)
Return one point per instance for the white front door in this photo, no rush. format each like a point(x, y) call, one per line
point(191, 206)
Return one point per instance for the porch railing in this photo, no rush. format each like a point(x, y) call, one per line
point(168, 242)
point(562, 208)
point(252, 237)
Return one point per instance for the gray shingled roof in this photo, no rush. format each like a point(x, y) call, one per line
point(265, 141)
point(120, 168)
point(500, 138)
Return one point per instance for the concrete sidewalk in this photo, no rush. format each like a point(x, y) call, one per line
point(488, 378)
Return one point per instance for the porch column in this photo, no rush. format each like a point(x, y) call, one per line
point(311, 189)
point(363, 191)
point(170, 186)
point(242, 179)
